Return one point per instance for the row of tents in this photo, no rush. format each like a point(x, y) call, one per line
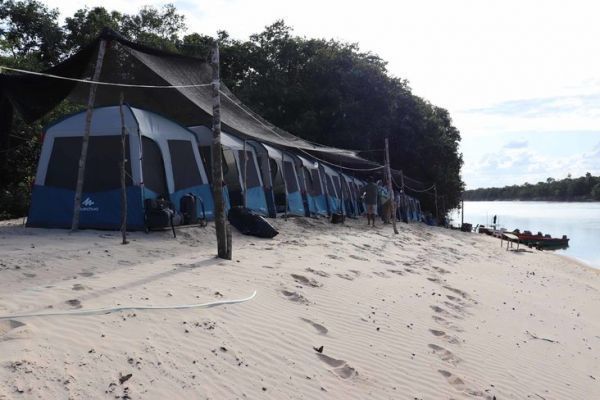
point(165, 159)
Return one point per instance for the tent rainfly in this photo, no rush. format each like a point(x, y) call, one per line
point(163, 160)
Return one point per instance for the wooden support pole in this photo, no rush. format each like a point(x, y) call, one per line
point(462, 214)
point(287, 201)
point(436, 202)
point(86, 136)
point(223, 244)
point(123, 177)
point(245, 177)
point(389, 182)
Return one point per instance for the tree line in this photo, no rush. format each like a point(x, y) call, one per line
point(326, 91)
point(584, 188)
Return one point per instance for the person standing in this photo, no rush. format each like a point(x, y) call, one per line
point(371, 193)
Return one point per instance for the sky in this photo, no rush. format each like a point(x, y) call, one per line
point(521, 79)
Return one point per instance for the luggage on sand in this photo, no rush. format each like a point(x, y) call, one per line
point(249, 223)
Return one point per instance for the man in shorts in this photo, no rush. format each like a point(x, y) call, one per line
point(371, 193)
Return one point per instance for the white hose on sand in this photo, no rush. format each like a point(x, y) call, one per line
point(128, 308)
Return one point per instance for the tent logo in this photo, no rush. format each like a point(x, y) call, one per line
point(87, 205)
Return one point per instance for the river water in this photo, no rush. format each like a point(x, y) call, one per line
point(579, 221)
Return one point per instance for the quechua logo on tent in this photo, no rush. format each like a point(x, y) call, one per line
point(87, 205)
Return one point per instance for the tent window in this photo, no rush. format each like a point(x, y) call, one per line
point(290, 177)
point(185, 167)
point(102, 172)
point(153, 167)
point(315, 182)
point(252, 179)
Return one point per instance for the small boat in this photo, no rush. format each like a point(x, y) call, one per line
point(540, 240)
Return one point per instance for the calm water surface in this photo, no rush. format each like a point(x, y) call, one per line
point(579, 221)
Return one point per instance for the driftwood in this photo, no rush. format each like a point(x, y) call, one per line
point(534, 336)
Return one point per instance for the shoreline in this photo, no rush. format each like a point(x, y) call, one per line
point(428, 313)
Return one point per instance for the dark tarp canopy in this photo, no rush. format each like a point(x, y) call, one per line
point(126, 62)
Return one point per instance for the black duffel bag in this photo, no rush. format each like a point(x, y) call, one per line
point(250, 223)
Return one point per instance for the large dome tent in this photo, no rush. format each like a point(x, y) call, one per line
point(163, 160)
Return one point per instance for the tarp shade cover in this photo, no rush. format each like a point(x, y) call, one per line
point(132, 63)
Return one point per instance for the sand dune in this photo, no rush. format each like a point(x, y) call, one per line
point(342, 312)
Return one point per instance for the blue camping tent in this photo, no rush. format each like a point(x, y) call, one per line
point(334, 194)
point(241, 170)
point(313, 186)
point(163, 160)
point(286, 185)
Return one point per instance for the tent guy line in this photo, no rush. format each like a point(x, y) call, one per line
point(102, 83)
point(131, 308)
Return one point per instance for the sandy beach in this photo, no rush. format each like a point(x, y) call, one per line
point(426, 314)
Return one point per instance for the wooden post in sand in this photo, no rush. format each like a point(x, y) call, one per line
point(245, 176)
point(86, 137)
point(389, 182)
point(123, 177)
point(436, 205)
point(462, 213)
point(223, 245)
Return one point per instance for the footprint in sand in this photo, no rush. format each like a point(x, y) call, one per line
point(387, 262)
point(456, 307)
point(461, 293)
point(434, 280)
point(443, 354)
point(306, 281)
point(443, 312)
point(446, 323)
point(358, 258)
point(453, 380)
point(346, 276)
point(295, 297)
point(28, 275)
point(340, 367)
point(334, 257)
point(7, 326)
point(380, 274)
point(317, 272)
point(74, 303)
point(442, 335)
point(411, 271)
point(78, 286)
point(396, 271)
point(456, 300)
point(320, 328)
point(86, 274)
point(441, 270)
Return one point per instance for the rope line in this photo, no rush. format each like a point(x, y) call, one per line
point(128, 308)
point(103, 83)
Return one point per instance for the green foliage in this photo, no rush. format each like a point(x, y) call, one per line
point(325, 91)
point(569, 189)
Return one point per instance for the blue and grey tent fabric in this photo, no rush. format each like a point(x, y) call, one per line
point(163, 160)
point(286, 185)
point(242, 172)
point(314, 187)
